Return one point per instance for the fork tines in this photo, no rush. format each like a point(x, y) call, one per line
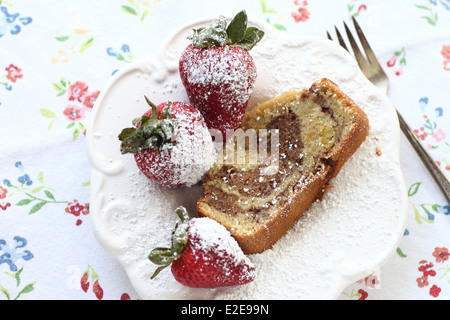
point(357, 52)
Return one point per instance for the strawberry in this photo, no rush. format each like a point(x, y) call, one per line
point(218, 71)
point(203, 255)
point(171, 144)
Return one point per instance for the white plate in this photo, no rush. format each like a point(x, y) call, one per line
point(347, 236)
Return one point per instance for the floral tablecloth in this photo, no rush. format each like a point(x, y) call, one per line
point(56, 56)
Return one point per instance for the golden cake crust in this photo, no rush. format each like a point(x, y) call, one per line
point(284, 214)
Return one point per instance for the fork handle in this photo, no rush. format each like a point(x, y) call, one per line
point(439, 175)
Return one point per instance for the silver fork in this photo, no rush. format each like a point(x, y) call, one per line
point(375, 73)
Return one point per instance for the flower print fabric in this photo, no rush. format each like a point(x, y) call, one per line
point(11, 22)
point(11, 254)
point(14, 73)
point(56, 59)
point(78, 91)
point(445, 52)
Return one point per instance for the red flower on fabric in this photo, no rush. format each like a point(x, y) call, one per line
point(362, 8)
point(77, 90)
point(98, 290)
point(84, 281)
point(14, 73)
point(91, 276)
point(421, 134)
point(392, 61)
point(90, 97)
point(434, 291)
point(125, 296)
point(363, 294)
point(426, 269)
point(441, 254)
point(76, 209)
point(73, 113)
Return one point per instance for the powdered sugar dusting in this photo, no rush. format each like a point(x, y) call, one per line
point(210, 237)
point(213, 236)
point(219, 82)
point(221, 70)
point(193, 153)
point(189, 155)
point(346, 236)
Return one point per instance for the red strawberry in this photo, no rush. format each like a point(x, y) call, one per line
point(171, 144)
point(218, 71)
point(203, 255)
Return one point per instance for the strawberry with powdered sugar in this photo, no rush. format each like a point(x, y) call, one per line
point(203, 255)
point(218, 71)
point(171, 144)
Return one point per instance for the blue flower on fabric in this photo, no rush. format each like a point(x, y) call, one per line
point(423, 102)
point(25, 179)
point(18, 165)
point(11, 254)
point(445, 3)
point(445, 210)
point(125, 48)
point(119, 54)
point(122, 55)
point(112, 52)
point(12, 22)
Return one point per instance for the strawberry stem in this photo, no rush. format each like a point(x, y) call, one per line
point(165, 256)
point(236, 33)
point(151, 132)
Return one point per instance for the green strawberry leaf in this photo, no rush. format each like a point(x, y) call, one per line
point(235, 34)
point(151, 131)
point(251, 38)
point(236, 28)
point(165, 256)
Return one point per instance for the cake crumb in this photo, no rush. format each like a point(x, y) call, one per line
point(378, 151)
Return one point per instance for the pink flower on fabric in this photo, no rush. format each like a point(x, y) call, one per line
point(73, 113)
point(90, 97)
point(439, 135)
point(447, 65)
point(441, 254)
point(371, 281)
point(14, 73)
point(302, 14)
point(399, 71)
point(77, 90)
point(446, 52)
point(3, 192)
point(422, 281)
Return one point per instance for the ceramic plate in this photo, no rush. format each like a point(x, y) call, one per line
point(347, 236)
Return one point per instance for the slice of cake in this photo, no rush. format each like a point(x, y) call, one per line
point(258, 193)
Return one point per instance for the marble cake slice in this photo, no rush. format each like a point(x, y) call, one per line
point(317, 131)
